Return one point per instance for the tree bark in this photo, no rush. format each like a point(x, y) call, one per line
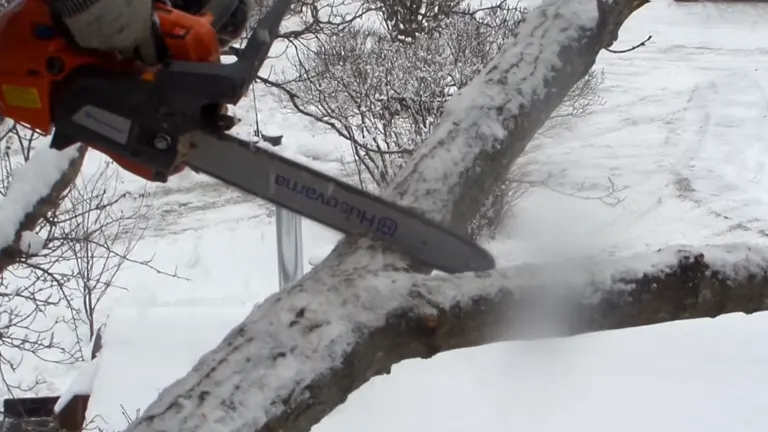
point(301, 352)
point(45, 202)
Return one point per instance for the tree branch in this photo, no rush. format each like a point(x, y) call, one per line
point(630, 49)
point(52, 173)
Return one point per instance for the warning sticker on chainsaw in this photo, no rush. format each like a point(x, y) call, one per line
point(22, 97)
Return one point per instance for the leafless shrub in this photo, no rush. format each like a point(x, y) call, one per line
point(49, 298)
point(378, 74)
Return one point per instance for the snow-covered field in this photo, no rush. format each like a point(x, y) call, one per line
point(684, 130)
point(684, 135)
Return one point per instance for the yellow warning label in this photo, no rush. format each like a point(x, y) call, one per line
point(24, 97)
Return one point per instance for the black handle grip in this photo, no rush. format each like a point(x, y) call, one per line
point(220, 10)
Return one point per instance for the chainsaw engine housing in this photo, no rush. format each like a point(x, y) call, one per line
point(136, 115)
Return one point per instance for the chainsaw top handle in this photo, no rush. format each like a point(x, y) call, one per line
point(225, 83)
point(219, 11)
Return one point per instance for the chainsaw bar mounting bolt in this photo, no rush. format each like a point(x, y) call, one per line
point(162, 142)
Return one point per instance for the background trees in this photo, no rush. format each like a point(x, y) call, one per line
point(63, 261)
point(378, 74)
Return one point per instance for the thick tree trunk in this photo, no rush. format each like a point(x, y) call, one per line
point(301, 352)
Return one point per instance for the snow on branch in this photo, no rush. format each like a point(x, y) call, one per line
point(301, 352)
point(36, 189)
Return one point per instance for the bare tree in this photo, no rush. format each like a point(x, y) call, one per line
point(98, 229)
point(64, 259)
point(382, 80)
point(29, 288)
point(382, 87)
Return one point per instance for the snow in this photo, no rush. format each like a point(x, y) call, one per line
point(31, 181)
point(317, 256)
point(171, 345)
point(81, 385)
point(31, 243)
point(698, 375)
point(683, 130)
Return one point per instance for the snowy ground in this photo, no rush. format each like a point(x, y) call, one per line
point(684, 130)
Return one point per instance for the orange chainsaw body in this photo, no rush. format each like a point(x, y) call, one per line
point(36, 54)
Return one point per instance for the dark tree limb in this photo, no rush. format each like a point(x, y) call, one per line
point(40, 201)
point(301, 352)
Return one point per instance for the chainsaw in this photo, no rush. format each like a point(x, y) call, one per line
point(155, 121)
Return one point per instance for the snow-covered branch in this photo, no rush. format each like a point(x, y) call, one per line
point(301, 352)
point(36, 189)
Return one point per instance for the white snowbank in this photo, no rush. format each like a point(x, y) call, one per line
point(31, 243)
point(145, 350)
point(700, 375)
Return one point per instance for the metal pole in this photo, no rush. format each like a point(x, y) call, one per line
point(290, 243)
point(290, 247)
